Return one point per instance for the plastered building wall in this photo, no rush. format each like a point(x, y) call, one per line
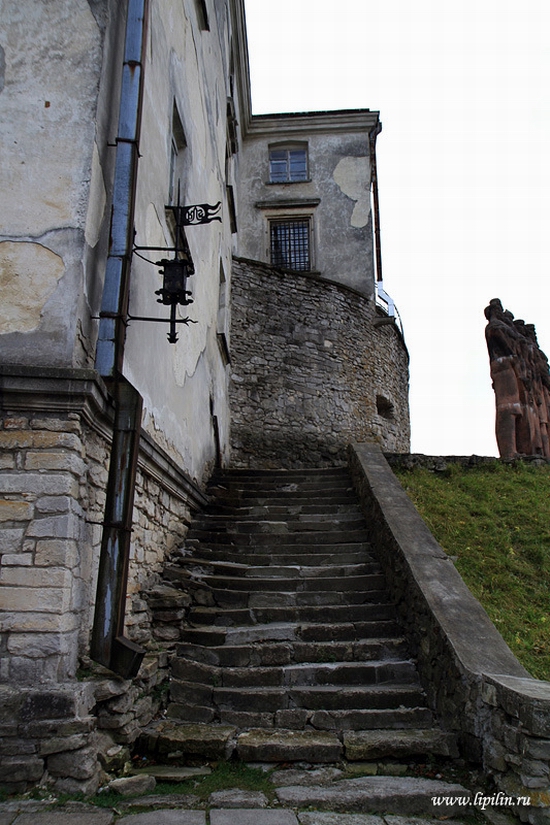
point(60, 89)
point(336, 196)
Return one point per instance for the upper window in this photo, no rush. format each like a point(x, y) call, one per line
point(288, 165)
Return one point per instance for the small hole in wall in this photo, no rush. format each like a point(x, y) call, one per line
point(384, 406)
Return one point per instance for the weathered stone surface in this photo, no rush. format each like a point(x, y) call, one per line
point(404, 795)
point(326, 818)
point(60, 817)
point(376, 744)
point(312, 400)
point(165, 817)
point(243, 816)
point(237, 799)
point(293, 746)
point(204, 740)
point(128, 785)
point(78, 764)
point(169, 773)
point(320, 776)
point(520, 378)
point(160, 801)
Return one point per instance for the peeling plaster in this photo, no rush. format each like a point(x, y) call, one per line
point(353, 177)
point(29, 274)
point(97, 201)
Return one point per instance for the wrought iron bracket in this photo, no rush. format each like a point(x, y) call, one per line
point(197, 214)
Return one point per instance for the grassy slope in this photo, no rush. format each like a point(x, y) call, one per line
point(495, 522)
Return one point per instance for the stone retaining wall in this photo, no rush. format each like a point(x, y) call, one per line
point(55, 428)
point(473, 681)
point(311, 370)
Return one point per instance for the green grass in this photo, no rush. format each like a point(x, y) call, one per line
point(495, 522)
point(224, 776)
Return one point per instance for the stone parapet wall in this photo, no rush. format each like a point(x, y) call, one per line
point(313, 367)
point(475, 684)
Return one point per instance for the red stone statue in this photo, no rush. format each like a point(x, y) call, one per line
point(521, 381)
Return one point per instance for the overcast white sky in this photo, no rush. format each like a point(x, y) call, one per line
point(463, 90)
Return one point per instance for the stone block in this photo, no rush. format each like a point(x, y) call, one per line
point(34, 439)
point(56, 553)
point(39, 622)
point(11, 539)
point(201, 740)
point(165, 816)
point(35, 599)
point(252, 816)
point(236, 798)
point(17, 560)
point(39, 483)
point(59, 744)
point(39, 645)
point(401, 795)
point(21, 769)
point(67, 526)
point(536, 748)
point(293, 746)
point(67, 461)
point(15, 510)
point(85, 816)
point(78, 764)
point(87, 787)
point(130, 785)
point(36, 577)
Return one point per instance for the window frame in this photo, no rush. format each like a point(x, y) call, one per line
point(287, 149)
point(278, 219)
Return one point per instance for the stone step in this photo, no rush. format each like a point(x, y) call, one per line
point(357, 551)
point(331, 537)
point(198, 567)
point(279, 524)
point(269, 699)
point(252, 497)
point(315, 613)
point(302, 719)
point(266, 511)
point(328, 698)
point(282, 481)
point(268, 584)
point(302, 673)
point(359, 632)
point(366, 745)
point(375, 794)
point(302, 474)
point(287, 652)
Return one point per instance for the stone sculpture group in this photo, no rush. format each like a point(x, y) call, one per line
point(521, 381)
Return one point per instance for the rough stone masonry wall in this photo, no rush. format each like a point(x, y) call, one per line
point(311, 371)
point(54, 437)
point(478, 688)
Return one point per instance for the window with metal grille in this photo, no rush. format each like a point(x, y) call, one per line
point(290, 244)
point(287, 165)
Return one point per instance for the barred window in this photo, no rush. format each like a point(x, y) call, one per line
point(290, 246)
point(287, 165)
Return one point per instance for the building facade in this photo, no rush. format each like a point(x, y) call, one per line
point(114, 116)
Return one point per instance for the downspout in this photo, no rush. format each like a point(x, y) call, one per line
point(380, 291)
point(375, 201)
point(109, 646)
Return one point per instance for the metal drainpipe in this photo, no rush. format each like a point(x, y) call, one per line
point(375, 202)
point(109, 647)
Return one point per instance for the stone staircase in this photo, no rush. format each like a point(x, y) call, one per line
point(292, 651)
